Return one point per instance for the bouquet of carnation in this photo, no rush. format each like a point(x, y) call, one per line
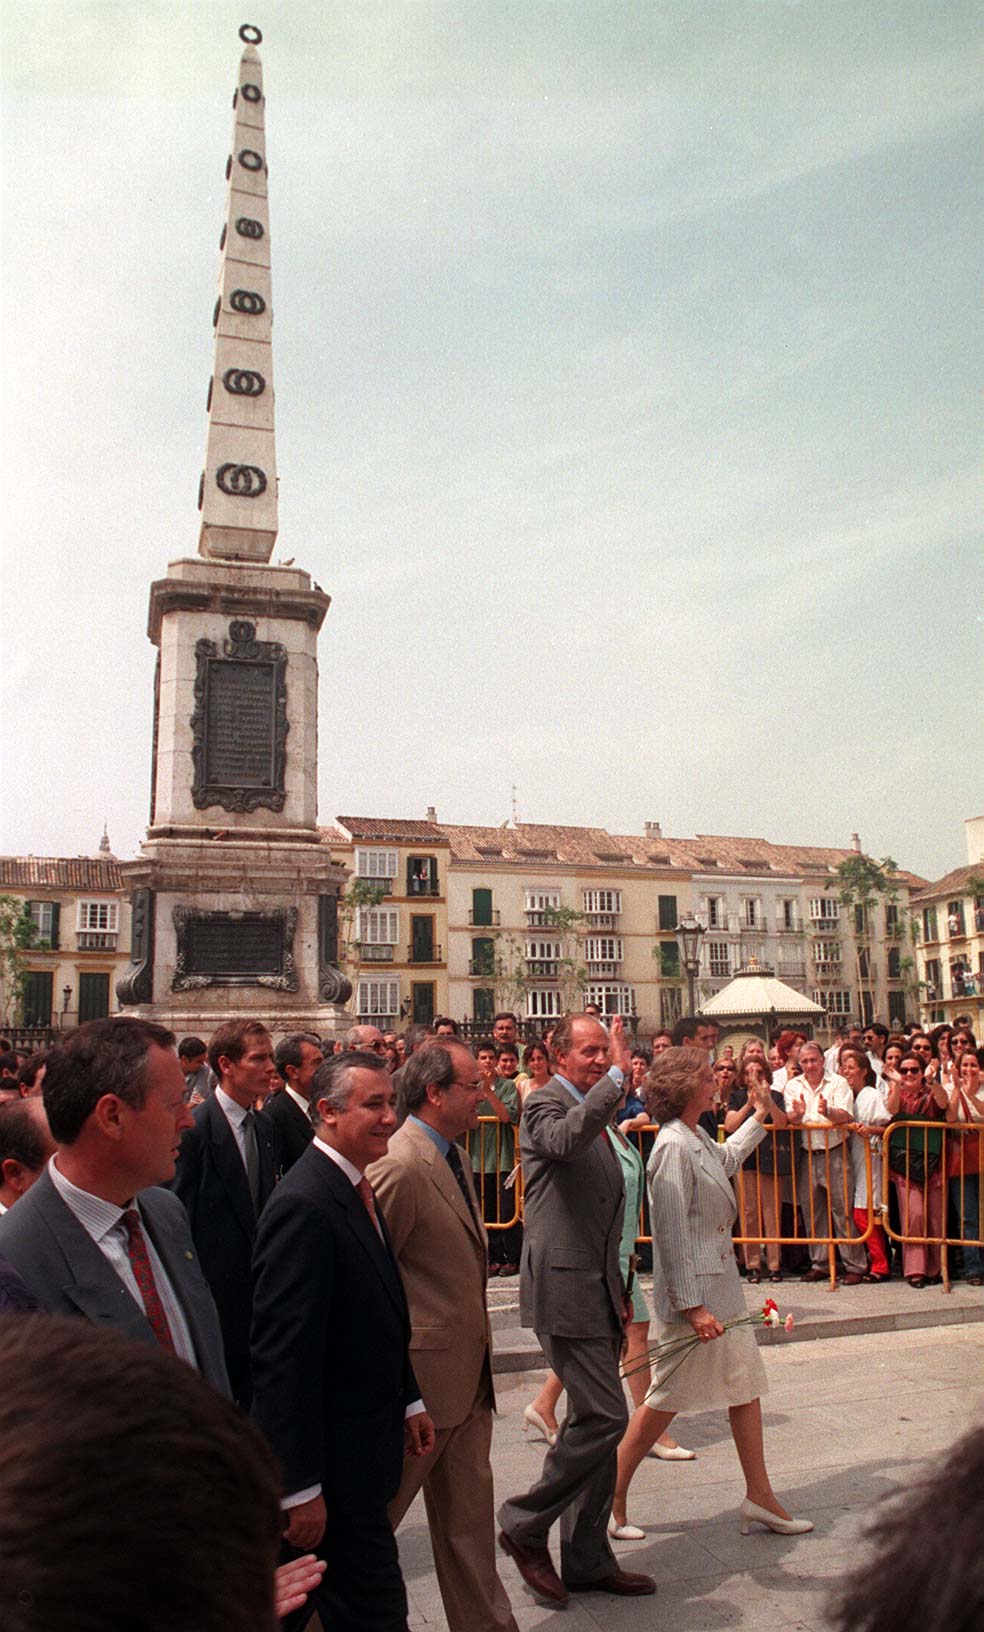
point(677, 1348)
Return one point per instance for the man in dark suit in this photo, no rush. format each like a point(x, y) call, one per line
point(571, 1293)
point(297, 1059)
point(92, 1236)
point(226, 1170)
point(334, 1390)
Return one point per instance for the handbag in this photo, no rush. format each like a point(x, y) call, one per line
point(914, 1156)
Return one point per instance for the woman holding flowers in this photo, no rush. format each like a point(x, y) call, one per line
point(707, 1356)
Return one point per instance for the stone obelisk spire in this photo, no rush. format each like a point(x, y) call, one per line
point(238, 494)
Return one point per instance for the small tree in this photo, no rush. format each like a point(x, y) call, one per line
point(361, 897)
point(18, 934)
point(864, 883)
point(508, 972)
point(570, 926)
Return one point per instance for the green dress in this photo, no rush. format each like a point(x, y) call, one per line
point(633, 1177)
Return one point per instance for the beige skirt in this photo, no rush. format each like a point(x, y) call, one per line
point(711, 1376)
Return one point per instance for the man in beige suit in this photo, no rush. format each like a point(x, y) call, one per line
point(428, 1199)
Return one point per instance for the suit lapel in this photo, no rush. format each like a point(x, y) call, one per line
point(229, 1165)
point(265, 1145)
point(91, 1282)
point(378, 1251)
point(711, 1167)
point(445, 1182)
point(175, 1257)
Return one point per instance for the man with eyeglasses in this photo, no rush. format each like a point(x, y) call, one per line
point(424, 1187)
point(363, 1039)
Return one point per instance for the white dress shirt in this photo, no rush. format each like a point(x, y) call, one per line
point(839, 1098)
point(299, 1101)
point(235, 1115)
point(103, 1221)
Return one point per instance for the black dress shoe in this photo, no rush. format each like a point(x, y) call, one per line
point(623, 1583)
point(536, 1567)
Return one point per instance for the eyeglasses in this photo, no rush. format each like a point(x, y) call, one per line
point(910, 1070)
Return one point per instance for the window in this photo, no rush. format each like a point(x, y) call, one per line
point(834, 1002)
point(827, 952)
point(93, 996)
point(481, 912)
point(602, 900)
point(669, 960)
point(611, 999)
point(45, 916)
point(670, 1005)
point(893, 923)
point(422, 945)
point(422, 1002)
point(979, 913)
point(483, 1005)
point(715, 912)
point(719, 958)
point(542, 957)
point(894, 963)
point(543, 1003)
point(955, 918)
point(930, 929)
point(379, 865)
point(379, 998)
point(482, 957)
point(542, 900)
point(860, 920)
point(422, 875)
point(823, 908)
point(36, 1001)
point(603, 949)
point(864, 964)
point(934, 979)
point(896, 1009)
point(98, 915)
point(786, 914)
point(668, 912)
point(750, 912)
point(377, 926)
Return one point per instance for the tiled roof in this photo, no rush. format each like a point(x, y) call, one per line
point(393, 828)
point(954, 883)
point(539, 842)
point(60, 873)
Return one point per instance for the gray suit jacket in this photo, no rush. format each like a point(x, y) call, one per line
point(570, 1284)
point(693, 1207)
point(61, 1264)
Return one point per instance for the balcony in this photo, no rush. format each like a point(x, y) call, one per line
point(425, 954)
point(490, 921)
point(384, 886)
point(604, 971)
point(824, 926)
point(377, 954)
point(539, 917)
point(383, 1022)
point(791, 971)
point(602, 920)
point(542, 968)
point(481, 967)
point(97, 940)
point(795, 928)
point(829, 967)
point(423, 886)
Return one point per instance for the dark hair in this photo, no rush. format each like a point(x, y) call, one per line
point(761, 1064)
point(100, 1057)
point(506, 1048)
point(671, 1082)
point(640, 1053)
point(20, 1136)
point(446, 1020)
point(10, 1062)
point(894, 1590)
point(684, 1030)
point(231, 1038)
point(859, 1054)
point(333, 1078)
point(937, 1032)
point(189, 1048)
point(188, 1521)
point(27, 1075)
point(506, 1014)
point(432, 1063)
point(485, 1042)
point(288, 1051)
point(877, 1027)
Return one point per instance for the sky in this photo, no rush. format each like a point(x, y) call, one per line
point(628, 374)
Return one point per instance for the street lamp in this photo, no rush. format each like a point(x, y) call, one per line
point(688, 933)
point(66, 999)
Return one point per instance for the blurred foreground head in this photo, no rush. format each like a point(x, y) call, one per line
point(131, 1494)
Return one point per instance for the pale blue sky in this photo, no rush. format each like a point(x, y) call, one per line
point(628, 367)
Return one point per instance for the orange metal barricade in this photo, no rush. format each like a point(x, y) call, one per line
point(499, 1185)
point(930, 1163)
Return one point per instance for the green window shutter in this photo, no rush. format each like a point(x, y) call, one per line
point(481, 906)
point(483, 1004)
point(667, 912)
point(483, 955)
point(93, 997)
point(669, 959)
point(56, 926)
point(36, 1004)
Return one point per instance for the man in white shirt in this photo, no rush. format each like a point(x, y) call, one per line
point(93, 1236)
point(297, 1058)
point(825, 1179)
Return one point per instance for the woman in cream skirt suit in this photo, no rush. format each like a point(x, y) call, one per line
point(696, 1286)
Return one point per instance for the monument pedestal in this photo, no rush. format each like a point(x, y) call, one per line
point(234, 898)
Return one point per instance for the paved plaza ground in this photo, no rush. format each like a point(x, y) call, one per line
point(848, 1419)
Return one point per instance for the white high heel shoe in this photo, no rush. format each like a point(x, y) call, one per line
point(672, 1453)
point(625, 1532)
point(533, 1419)
point(751, 1514)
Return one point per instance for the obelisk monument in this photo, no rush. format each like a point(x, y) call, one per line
point(234, 898)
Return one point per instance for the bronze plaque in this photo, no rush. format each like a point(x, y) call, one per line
point(239, 723)
point(250, 945)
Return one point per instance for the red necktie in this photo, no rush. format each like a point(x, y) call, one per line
point(136, 1247)
point(369, 1202)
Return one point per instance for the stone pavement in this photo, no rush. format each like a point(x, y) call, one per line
point(847, 1421)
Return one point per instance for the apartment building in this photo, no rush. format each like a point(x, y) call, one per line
point(81, 920)
point(950, 950)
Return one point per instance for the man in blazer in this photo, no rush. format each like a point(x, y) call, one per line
point(297, 1059)
point(93, 1237)
point(227, 1167)
point(334, 1389)
point(571, 1293)
point(425, 1189)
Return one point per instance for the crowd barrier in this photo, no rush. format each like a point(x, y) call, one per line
point(798, 1192)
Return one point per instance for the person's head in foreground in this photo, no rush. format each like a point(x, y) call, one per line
point(131, 1494)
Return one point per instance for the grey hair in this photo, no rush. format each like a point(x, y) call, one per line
point(333, 1081)
point(432, 1063)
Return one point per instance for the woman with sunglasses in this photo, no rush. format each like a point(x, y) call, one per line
point(915, 1159)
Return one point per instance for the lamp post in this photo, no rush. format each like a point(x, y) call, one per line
point(66, 999)
point(688, 933)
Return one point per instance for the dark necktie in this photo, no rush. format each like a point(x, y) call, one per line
point(252, 1159)
point(454, 1163)
point(368, 1196)
point(136, 1247)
